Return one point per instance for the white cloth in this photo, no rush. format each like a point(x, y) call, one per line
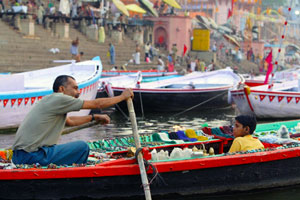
point(193, 66)
point(64, 7)
point(161, 65)
point(136, 58)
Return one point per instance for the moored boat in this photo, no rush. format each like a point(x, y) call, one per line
point(281, 101)
point(145, 73)
point(117, 176)
point(20, 92)
point(180, 93)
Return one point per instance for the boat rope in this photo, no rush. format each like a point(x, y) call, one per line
point(208, 100)
point(110, 93)
point(123, 113)
point(141, 101)
point(282, 37)
point(156, 176)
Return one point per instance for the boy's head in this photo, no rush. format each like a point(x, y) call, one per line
point(244, 125)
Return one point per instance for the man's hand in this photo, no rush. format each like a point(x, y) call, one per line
point(127, 93)
point(102, 119)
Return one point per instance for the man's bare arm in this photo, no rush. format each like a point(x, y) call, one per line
point(79, 120)
point(107, 102)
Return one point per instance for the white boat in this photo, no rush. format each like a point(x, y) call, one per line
point(279, 101)
point(20, 92)
point(210, 89)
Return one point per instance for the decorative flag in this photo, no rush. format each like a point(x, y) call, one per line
point(26, 100)
point(184, 49)
point(32, 100)
point(271, 98)
point(229, 13)
point(20, 101)
point(270, 66)
point(289, 99)
point(40, 97)
point(297, 99)
point(5, 102)
point(280, 98)
point(13, 102)
point(262, 97)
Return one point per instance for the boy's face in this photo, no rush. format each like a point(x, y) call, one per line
point(239, 130)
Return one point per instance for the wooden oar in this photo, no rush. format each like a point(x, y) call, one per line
point(138, 145)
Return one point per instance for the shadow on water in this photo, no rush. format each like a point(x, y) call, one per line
point(283, 193)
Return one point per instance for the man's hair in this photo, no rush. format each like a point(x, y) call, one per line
point(61, 80)
point(247, 120)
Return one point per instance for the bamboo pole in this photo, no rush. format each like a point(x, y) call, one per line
point(138, 145)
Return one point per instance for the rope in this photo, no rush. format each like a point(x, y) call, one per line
point(199, 104)
point(123, 113)
point(280, 45)
point(142, 107)
point(147, 167)
point(140, 94)
point(118, 107)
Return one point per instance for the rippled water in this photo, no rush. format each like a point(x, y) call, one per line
point(150, 123)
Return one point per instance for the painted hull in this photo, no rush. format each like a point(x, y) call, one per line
point(280, 102)
point(30, 87)
point(175, 100)
point(240, 172)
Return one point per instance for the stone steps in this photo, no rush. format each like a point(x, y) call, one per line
point(21, 54)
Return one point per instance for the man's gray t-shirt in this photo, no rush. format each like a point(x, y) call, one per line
point(44, 123)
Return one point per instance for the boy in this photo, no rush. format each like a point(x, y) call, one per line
point(243, 129)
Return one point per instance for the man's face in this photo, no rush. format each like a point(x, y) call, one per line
point(71, 88)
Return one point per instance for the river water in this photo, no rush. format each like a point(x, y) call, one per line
point(153, 122)
point(150, 123)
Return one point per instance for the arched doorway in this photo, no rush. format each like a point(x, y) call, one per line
point(160, 37)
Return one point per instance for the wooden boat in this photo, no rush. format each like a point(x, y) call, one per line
point(20, 92)
point(118, 176)
point(130, 80)
point(281, 101)
point(145, 73)
point(180, 93)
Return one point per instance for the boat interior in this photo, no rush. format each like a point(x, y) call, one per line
point(181, 144)
point(44, 78)
point(193, 86)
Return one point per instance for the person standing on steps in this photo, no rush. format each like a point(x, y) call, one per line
point(112, 53)
point(74, 48)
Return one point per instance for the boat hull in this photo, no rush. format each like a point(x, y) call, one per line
point(214, 179)
point(14, 105)
point(268, 104)
point(174, 101)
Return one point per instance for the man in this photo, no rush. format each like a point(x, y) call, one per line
point(112, 53)
point(37, 137)
point(160, 64)
point(74, 48)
